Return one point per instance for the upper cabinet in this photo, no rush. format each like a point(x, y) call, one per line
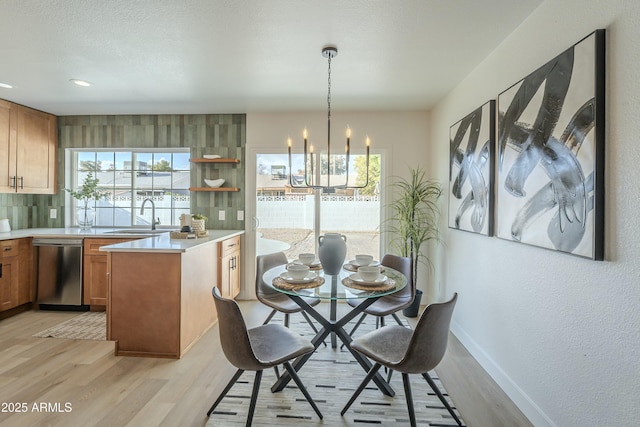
point(28, 144)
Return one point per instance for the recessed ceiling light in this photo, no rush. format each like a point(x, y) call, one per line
point(6, 86)
point(78, 82)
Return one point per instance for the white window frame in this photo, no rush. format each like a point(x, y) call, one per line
point(71, 167)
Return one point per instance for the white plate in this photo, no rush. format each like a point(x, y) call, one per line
point(373, 263)
point(356, 278)
point(310, 277)
point(211, 156)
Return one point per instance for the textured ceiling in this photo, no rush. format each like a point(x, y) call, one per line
point(227, 56)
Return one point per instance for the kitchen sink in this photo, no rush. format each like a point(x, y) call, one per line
point(136, 231)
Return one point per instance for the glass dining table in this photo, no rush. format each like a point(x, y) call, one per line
point(335, 288)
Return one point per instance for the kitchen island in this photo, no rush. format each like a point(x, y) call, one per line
point(159, 292)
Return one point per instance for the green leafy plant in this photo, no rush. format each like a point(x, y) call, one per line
point(415, 216)
point(199, 216)
point(88, 190)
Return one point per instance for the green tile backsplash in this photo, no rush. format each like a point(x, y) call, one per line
point(223, 134)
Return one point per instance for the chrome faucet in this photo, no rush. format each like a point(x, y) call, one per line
point(153, 212)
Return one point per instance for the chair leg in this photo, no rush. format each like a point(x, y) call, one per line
point(357, 325)
point(286, 320)
point(382, 324)
point(361, 387)
point(407, 392)
point(225, 391)
point(435, 388)
point(254, 398)
point(269, 317)
point(395, 316)
point(389, 375)
point(296, 379)
point(275, 368)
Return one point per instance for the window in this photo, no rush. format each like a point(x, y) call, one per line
point(129, 177)
point(290, 219)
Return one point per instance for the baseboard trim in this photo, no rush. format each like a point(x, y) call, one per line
point(528, 407)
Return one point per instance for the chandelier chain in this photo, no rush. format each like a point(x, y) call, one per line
point(329, 88)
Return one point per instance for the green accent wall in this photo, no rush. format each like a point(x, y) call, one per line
point(223, 134)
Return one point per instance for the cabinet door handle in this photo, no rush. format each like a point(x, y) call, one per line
point(22, 182)
point(7, 248)
point(14, 182)
point(0, 270)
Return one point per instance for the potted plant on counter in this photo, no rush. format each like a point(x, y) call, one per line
point(89, 190)
point(198, 222)
point(414, 219)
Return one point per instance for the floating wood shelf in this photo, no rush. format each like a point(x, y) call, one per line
point(220, 160)
point(214, 189)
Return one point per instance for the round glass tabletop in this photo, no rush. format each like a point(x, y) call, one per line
point(333, 287)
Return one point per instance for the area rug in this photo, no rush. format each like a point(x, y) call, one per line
point(90, 325)
point(331, 377)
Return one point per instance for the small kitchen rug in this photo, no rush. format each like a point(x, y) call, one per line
point(91, 325)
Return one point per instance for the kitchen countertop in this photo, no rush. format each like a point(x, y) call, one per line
point(145, 243)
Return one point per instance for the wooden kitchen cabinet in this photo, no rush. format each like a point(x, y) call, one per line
point(28, 144)
point(16, 278)
point(9, 268)
point(94, 268)
point(229, 267)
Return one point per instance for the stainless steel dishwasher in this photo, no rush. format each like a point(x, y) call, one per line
point(59, 272)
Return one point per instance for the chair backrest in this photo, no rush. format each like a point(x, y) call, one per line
point(429, 340)
point(403, 265)
point(234, 338)
point(264, 263)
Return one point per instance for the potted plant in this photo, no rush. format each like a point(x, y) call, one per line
point(198, 223)
point(87, 191)
point(414, 219)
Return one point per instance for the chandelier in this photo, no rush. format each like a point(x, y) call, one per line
point(309, 178)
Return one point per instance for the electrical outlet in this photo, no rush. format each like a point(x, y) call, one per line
point(53, 213)
point(221, 215)
point(240, 215)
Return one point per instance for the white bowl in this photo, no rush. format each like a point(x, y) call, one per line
point(211, 156)
point(214, 182)
point(297, 271)
point(364, 259)
point(368, 274)
point(307, 259)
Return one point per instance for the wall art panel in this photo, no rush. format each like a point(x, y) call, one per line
point(550, 186)
point(471, 171)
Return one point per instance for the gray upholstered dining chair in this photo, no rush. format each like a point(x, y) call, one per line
point(409, 352)
point(390, 304)
point(274, 299)
point(257, 349)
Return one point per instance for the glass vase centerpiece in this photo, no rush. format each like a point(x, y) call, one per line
point(85, 214)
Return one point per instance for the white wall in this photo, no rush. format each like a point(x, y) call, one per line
point(560, 334)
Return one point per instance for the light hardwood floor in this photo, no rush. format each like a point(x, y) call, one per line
point(81, 382)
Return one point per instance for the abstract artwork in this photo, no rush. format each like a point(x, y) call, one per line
point(550, 188)
point(471, 171)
